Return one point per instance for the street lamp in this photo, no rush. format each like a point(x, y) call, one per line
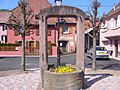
point(58, 48)
point(58, 2)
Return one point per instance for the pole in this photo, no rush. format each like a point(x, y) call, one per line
point(58, 48)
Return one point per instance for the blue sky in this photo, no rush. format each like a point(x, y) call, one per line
point(106, 5)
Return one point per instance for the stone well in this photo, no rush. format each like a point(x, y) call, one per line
point(66, 81)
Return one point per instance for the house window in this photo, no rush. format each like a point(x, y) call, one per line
point(4, 38)
point(115, 22)
point(4, 27)
point(65, 29)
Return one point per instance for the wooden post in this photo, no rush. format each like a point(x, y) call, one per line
point(43, 48)
point(80, 43)
point(43, 41)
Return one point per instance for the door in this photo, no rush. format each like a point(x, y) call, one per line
point(31, 47)
point(116, 48)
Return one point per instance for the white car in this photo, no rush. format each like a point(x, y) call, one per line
point(101, 52)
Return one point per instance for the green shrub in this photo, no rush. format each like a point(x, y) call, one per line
point(8, 44)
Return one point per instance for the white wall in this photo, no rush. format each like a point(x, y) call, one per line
point(2, 32)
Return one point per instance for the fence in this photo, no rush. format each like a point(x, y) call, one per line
point(7, 48)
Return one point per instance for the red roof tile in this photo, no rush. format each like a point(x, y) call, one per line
point(34, 5)
point(4, 16)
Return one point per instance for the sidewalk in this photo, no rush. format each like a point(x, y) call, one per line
point(115, 58)
point(100, 80)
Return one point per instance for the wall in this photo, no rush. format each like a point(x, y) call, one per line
point(111, 33)
point(2, 32)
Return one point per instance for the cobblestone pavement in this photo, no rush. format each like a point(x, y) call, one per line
point(100, 80)
point(29, 81)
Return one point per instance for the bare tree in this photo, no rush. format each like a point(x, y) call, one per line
point(95, 22)
point(21, 24)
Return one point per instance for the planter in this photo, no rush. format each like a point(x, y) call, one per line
point(66, 81)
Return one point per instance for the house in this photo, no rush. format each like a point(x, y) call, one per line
point(110, 34)
point(67, 34)
point(4, 16)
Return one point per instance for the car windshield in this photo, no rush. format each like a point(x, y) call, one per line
point(101, 48)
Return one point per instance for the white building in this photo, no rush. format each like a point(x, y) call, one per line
point(110, 34)
point(4, 17)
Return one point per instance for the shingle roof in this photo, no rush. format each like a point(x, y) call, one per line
point(4, 16)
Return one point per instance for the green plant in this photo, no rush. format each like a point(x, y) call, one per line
point(8, 44)
point(63, 69)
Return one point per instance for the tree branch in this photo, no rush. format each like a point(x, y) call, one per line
point(89, 34)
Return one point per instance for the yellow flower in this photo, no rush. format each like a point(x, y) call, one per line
point(63, 69)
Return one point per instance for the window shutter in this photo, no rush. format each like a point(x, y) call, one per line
point(16, 33)
point(49, 48)
point(37, 44)
point(5, 27)
point(37, 32)
point(49, 32)
point(60, 29)
point(16, 42)
point(49, 44)
point(27, 32)
point(70, 30)
point(26, 44)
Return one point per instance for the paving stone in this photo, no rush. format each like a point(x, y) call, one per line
point(31, 81)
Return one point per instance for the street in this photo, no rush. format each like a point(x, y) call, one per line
point(13, 63)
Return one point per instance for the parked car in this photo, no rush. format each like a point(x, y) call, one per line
point(101, 52)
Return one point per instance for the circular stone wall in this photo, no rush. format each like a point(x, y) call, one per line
point(67, 81)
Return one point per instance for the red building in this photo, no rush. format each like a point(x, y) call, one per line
point(67, 33)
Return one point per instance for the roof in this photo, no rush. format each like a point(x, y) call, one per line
point(34, 5)
point(4, 15)
point(114, 10)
